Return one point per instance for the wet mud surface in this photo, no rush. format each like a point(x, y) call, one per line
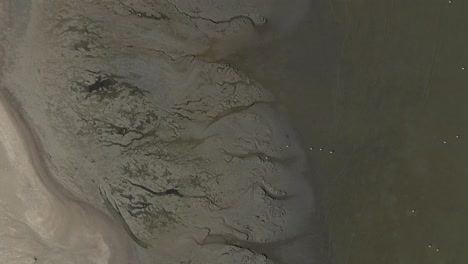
point(246, 131)
point(139, 117)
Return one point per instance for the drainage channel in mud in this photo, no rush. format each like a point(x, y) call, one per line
point(56, 226)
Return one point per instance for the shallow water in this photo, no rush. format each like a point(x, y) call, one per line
point(377, 91)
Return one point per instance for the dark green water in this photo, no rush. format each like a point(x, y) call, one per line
point(382, 85)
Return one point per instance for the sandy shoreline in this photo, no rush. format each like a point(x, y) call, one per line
point(189, 156)
point(56, 218)
point(40, 221)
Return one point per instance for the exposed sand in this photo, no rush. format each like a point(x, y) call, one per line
point(139, 118)
point(40, 222)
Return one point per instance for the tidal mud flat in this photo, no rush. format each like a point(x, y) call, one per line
point(40, 221)
point(376, 90)
point(139, 116)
